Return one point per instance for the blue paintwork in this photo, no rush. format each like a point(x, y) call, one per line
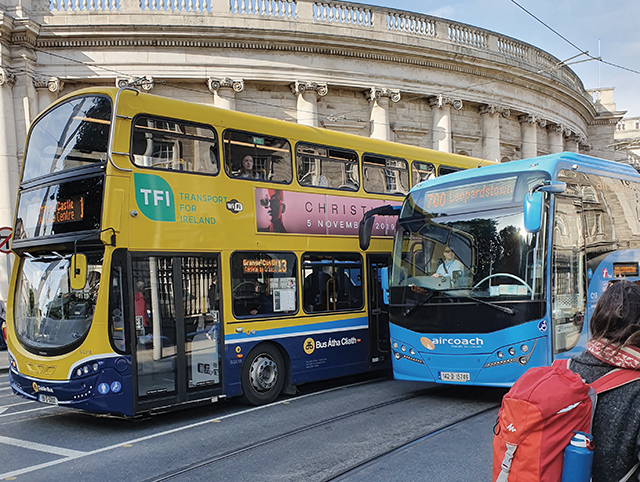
point(340, 348)
point(82, 392)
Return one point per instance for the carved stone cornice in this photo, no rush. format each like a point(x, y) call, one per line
point(494, 109)
point(7, 77)
point(145, 83)
point(53, 84)
point(215, 84)
point(302, 87)
point(374, 93)
point(440, 101)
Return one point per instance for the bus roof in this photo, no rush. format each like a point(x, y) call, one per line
point(550, 163)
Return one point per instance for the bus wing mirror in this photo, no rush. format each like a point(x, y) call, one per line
point(78, 271)
point(533, 203)
point(366, 226)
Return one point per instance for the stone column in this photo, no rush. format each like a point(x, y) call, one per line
point(490, 116)
point(307, 94)
point(224, 91)
point(571, 140)
point(47, 91)
point(379, 117)
point(441, 108)
point(556, 143)
point(529, 124)
point(9, 176)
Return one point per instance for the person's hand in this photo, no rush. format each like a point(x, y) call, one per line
point(436, 275)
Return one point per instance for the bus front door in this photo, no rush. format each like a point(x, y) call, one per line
point(177, 326)
point(377, 269)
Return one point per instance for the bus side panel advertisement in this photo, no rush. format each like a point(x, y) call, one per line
point(304, 213)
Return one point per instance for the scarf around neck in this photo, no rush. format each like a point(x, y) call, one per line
point(620, 357)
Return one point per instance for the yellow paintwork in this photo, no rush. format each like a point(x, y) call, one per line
point(230, 232)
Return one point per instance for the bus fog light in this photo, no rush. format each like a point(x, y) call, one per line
point(403, 348)
point(397, 356)
point(524, 348)
point(500, 354)
point(512, 351)
point(522, 360)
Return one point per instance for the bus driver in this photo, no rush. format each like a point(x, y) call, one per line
point(449, 265)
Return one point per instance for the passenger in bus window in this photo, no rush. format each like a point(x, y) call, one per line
point(246, 169)
point(447, 266)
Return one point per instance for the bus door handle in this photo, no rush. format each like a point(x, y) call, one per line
point(376, 312)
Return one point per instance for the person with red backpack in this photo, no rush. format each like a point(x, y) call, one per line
point(615, 343)
point(546, 406)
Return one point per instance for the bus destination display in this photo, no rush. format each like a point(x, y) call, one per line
point(63, 211)
point(491, 192)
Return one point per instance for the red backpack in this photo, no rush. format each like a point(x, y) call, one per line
point(538, 417)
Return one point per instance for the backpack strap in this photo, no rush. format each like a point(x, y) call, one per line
point(614, 379)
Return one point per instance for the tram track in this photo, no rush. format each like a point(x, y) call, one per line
point(377, 457)
point(204, 463)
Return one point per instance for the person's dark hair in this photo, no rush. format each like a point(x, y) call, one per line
point(617, 315)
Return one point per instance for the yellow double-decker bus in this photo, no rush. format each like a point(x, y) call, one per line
point(170, 253)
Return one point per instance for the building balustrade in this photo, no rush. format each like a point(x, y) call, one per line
point(351, 18)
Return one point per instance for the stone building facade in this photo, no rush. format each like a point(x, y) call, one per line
point(370, 71)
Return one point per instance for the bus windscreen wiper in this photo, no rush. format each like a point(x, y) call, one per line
point(504, 309)
point(427, 297)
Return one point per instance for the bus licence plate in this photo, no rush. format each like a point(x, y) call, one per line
point(455, 377)
point(50, 399)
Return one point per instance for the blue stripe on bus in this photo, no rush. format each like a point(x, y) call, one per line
point(298, 330)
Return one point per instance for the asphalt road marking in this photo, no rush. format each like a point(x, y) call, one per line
point(77, 454)
point(40, 447)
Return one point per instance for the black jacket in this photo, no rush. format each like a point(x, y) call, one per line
point(616, 424)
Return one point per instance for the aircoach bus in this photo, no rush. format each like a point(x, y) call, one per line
point(498, 270)
point(170, 253)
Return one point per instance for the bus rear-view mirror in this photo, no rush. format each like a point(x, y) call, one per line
point(533, 203)
point(78, 271)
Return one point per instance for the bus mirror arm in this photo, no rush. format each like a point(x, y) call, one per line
point(366, 226)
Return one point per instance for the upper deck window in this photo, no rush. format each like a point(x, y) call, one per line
point(385, 175)
point(422, 171)
point(249, 155)
point(74, 134)
point(175, 145)
point(327, 167)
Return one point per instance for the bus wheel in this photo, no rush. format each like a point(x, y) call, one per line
point(263, 375)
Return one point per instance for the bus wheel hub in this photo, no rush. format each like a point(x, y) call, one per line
point(264, 373)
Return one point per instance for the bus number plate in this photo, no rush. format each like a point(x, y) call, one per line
point(455, 377)
point(48, 399)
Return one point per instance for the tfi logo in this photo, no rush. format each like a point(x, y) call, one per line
point(154, 197)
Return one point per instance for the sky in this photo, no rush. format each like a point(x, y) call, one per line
point(606, 29)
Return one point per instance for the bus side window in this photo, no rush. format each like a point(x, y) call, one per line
point(264, 284)
point(174, 145)
point(329, 167)
point(250, 155)
point(422, 171)
point(442, 170)
point(332, 282)
point(385, 175)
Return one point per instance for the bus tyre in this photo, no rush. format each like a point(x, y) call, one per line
point(263, 375)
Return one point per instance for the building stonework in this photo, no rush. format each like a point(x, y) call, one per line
point(370, 71)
